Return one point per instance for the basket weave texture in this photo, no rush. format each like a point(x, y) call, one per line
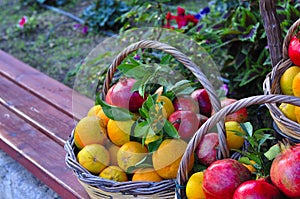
point(183, 175)
point(271, 85)
point(102, 188)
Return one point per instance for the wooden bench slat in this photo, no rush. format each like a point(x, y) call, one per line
point(39, 154)
point(45, 87)
point(37, 113)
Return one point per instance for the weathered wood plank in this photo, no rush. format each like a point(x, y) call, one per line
point(43, 86)
point(43, 116)
point(39, 154)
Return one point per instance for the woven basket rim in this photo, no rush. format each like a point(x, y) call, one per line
point(182, 175)
point(106, 185)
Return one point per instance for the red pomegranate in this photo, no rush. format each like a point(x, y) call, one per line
point(121, 95)
point(201, 96)
point(185, 103)
point(259, 189)
point(222, 178)
point(207, 149)
point(285, 171)
point(185, 122)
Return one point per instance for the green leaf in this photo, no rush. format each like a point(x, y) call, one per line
point(149, 102)
point(153, 146)
point(180, 88)
point(255, 158)
point(141, 129)
point(114, 112)
point(170, 130)
point(144, 163)
point(166, 59)
point(273, 152)
point(245, 160)
point(248, 128)
point(144, 112)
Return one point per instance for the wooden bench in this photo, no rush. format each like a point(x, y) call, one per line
point(36, 119)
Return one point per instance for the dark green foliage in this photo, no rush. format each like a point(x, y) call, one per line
point(104, 13)
point(234, 36)
point(48, 2)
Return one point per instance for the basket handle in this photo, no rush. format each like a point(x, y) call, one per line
point(288, 37)
point(272, 28)
point(187, 62)
point(182, 175)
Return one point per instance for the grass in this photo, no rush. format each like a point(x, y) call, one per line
point(52, 45)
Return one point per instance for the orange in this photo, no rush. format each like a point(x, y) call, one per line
point(288, 110)
point(114, 173)
point(130, 154)
point(234, 141)
point(297, 113)
point(93, 157)
point(296, 85)
point(167, 104)
point(94, 110)
point(89, 130)
point(167, 157)
point(103, 117)
point(194, 186)
point(119, 131)
point(286, 80)
point(146, 174)
point(98, 111)
point(113, 150)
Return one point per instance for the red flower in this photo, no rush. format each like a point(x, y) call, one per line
point(192, 18)
point(180, 11)
point(181, 19)
point(22, 22)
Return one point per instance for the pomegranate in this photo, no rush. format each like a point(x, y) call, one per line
point(240, 116)
point(207, 149)
point(185, 103)
point(201, 96)
point(222, 177)
point(121, 95)
point(108, 95)
point(285, 171)
point(258, 189)
point(186, 123)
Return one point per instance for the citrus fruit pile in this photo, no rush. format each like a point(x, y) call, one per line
point(290, 85)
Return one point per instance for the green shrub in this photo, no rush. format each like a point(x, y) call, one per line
point(104, 13)
point(234, 35)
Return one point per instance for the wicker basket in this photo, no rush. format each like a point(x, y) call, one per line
point(271, 85)
point(182, 176)
point(101, 188)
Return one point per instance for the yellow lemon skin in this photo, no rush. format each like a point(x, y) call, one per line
point(234, 141)
point(289, 111)
point(94, 158)
point(194, 186)
point(286, 80)
point(114, 173)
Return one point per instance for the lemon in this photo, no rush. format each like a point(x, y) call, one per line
point(288, 110)
point(286, 80)
point(194, 186)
